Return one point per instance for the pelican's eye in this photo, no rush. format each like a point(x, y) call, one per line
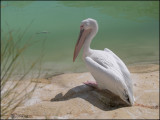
point(82, 26)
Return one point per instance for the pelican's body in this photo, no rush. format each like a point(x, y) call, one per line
point(107, 68)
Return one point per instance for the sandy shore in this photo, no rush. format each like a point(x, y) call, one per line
point(65, 96)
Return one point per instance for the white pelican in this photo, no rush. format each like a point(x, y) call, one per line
point(107, 68)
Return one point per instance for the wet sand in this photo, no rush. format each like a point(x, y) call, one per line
point(65, 96)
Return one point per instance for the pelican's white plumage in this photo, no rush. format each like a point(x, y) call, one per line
point(106, 67)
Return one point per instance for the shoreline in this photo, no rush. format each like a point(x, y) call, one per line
point(133, 68)
point(143, 68)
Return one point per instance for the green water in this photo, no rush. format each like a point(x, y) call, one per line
point(130, 29)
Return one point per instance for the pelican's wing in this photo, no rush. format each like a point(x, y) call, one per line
point(109, 77)
point(124, 70)
point(120, 62)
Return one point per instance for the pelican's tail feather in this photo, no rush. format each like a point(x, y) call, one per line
point(129, 98)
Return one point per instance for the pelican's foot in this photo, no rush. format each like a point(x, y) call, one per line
point(91, 84)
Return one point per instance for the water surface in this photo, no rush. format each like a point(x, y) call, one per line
point(130, 29)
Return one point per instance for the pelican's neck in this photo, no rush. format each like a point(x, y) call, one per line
point(86, 48)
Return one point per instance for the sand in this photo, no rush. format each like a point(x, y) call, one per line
point(66, 97)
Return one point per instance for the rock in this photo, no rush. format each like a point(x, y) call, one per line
point(66, 97)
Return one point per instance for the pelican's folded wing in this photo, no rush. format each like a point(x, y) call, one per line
point(109, 79)
point(124, 70)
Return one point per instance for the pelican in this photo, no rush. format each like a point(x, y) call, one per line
point(107, 68)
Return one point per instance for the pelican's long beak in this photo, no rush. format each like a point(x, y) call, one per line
point(82, 36)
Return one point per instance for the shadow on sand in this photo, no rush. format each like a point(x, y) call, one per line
point(104, 100)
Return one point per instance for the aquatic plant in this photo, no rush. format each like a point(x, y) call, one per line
point(15, 88)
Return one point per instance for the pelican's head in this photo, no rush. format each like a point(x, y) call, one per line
point(87, 26)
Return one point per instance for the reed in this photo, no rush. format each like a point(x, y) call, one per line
point(16, 90)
